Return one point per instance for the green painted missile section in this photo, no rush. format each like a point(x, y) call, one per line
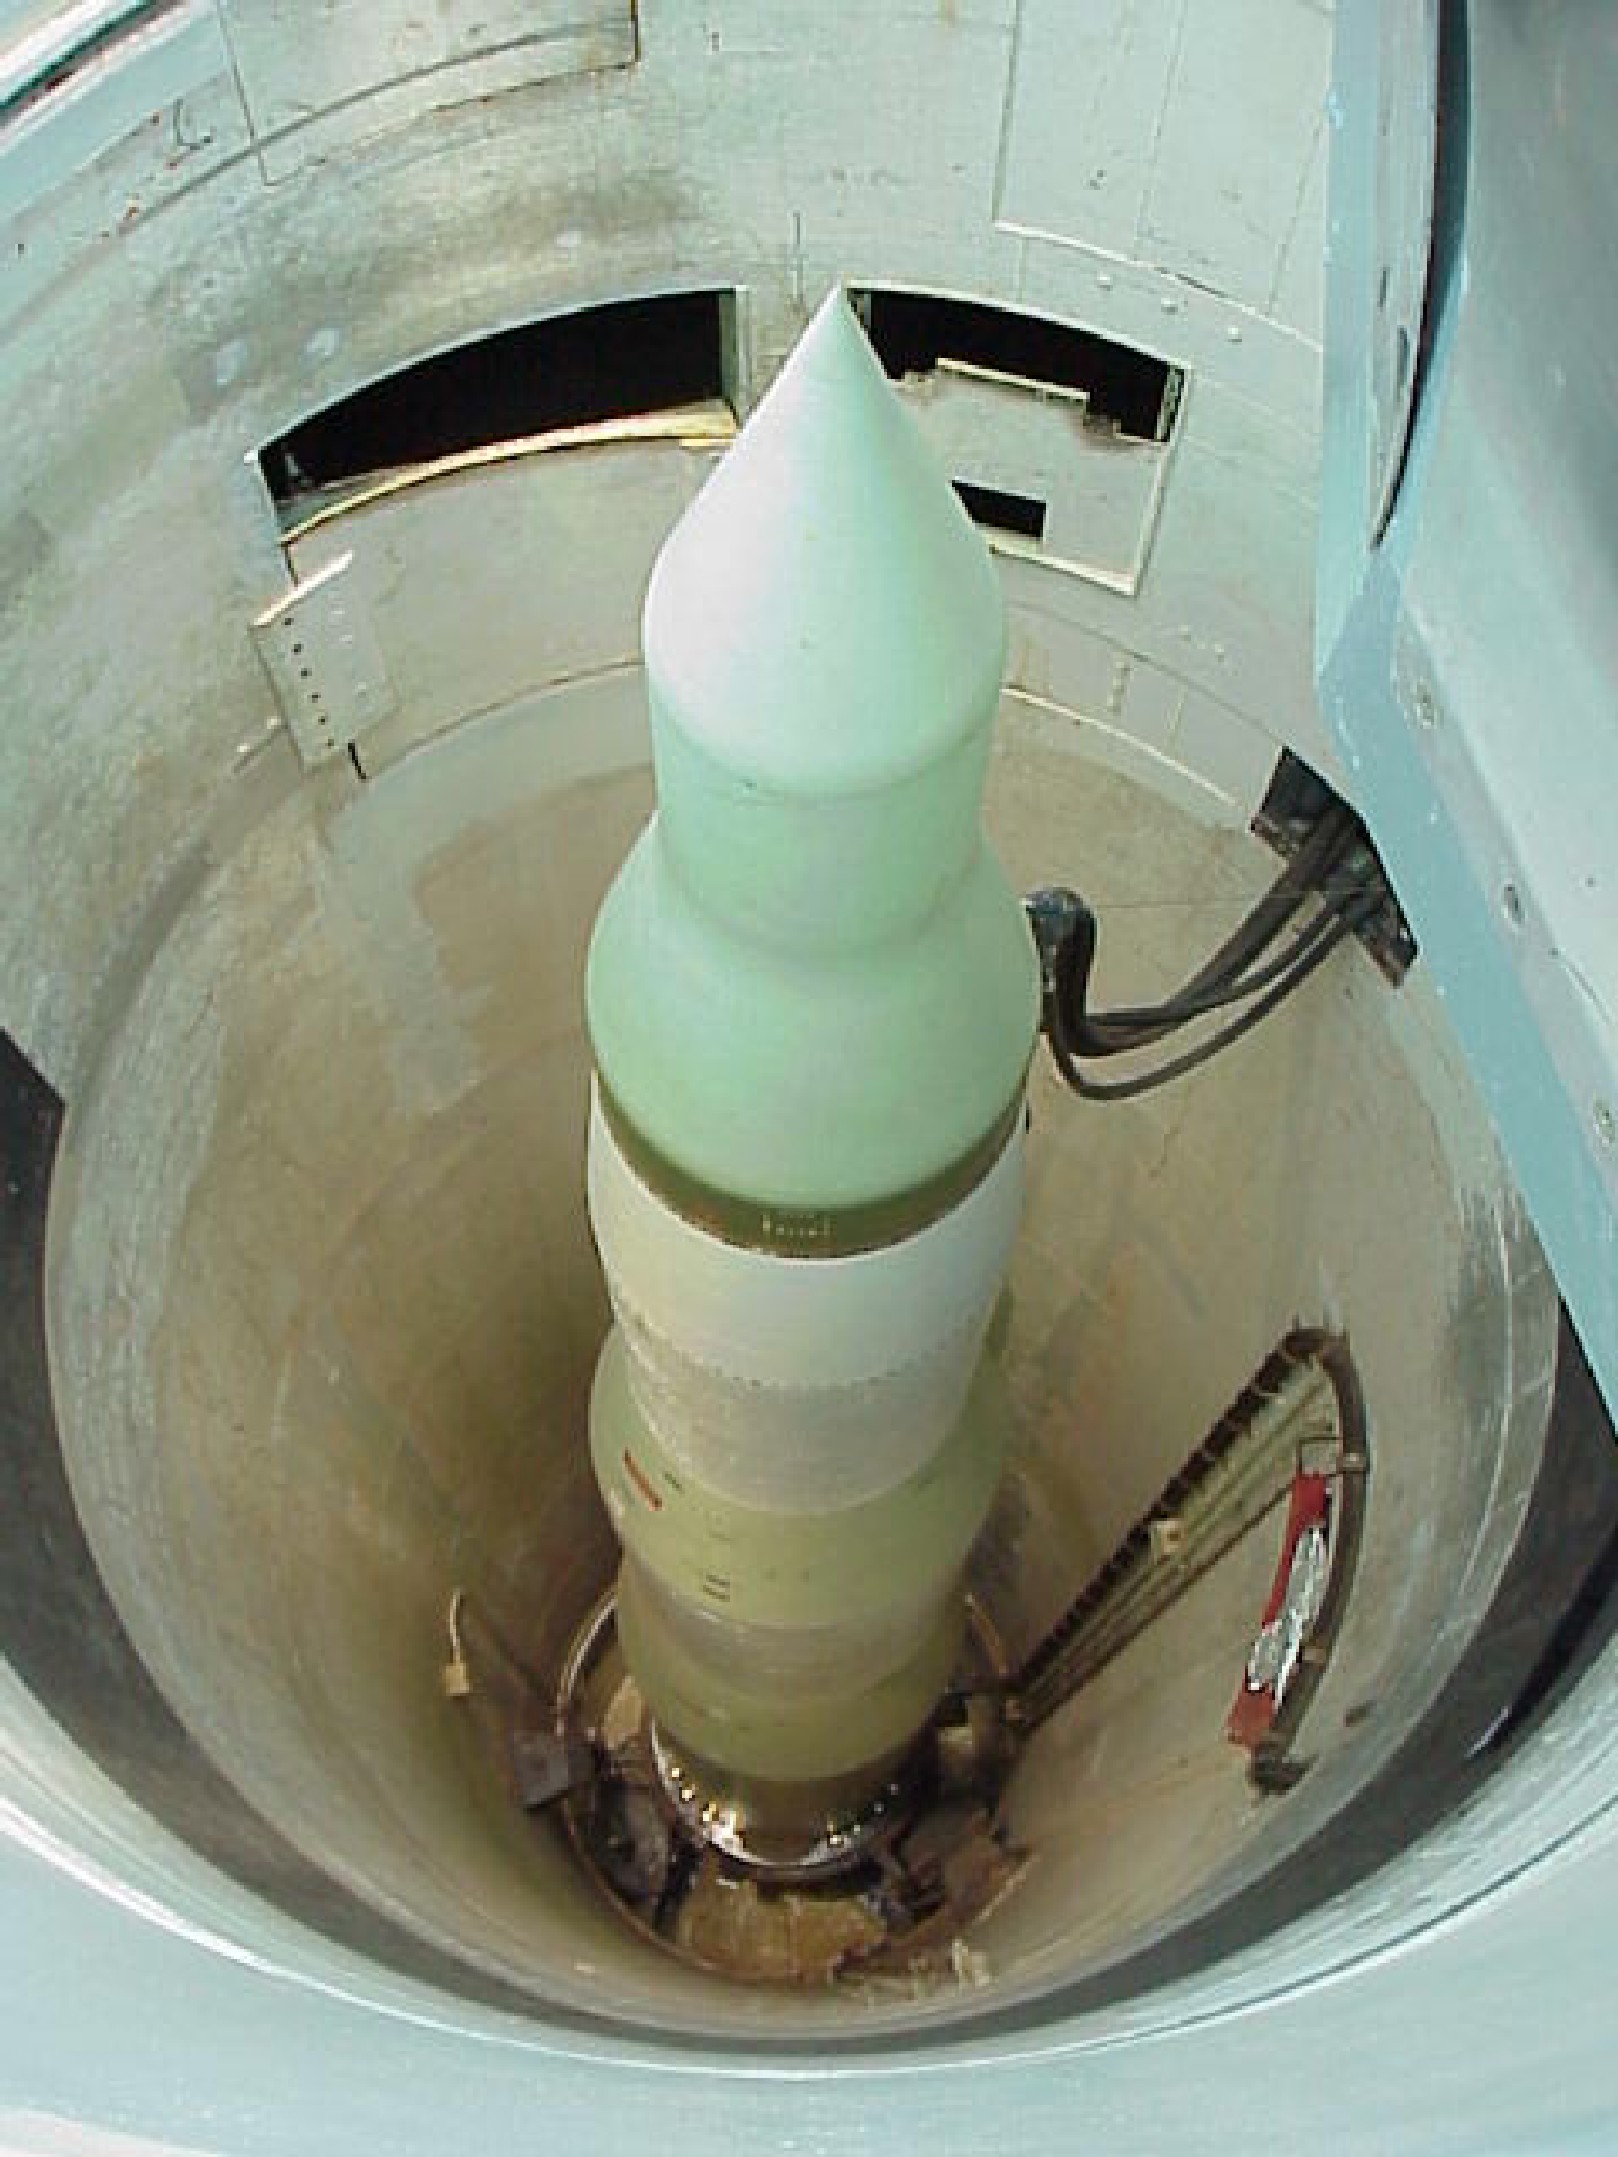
point(812, 987)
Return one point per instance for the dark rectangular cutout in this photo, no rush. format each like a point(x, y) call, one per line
point(572, 370)
point(1021, 514)
point(913, 331)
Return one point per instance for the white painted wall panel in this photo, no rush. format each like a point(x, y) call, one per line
point(1100, 488)
point(1183, 135)
point(550, 600)
point(1083, 109)
point(1241, 114)
point(300, 60)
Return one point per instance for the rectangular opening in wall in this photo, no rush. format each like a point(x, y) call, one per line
point(999, 511)
point(1058, 440)
point(913, 332)
point(593, 367)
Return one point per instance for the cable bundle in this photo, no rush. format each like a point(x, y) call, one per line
point(1247, 970)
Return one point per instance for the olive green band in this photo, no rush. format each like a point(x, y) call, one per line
point(803, 1232)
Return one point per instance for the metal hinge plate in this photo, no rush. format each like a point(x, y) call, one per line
point(324, 663)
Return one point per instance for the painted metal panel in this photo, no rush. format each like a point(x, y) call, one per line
point(134, 122)
point(40, 45)
point(1406, 157)
point(302, 66)
point(521, 541)
point(321, 655)
point(1083, 106)
point(1180, 135)
point(1299, 295)
point(1468, 653)
point(1100, 488)
point(1240, 119)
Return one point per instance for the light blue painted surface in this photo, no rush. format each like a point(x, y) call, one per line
point(1493, 2035)
point(1467, 663)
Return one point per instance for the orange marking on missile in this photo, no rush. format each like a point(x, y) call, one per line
point(642, 1481)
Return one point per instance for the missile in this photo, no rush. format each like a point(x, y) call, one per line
point(812, 998)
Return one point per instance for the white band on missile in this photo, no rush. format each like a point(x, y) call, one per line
point(773, 1320)
point(799, 1385)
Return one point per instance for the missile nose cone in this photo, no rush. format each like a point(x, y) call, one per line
point(852, 641)
point(811, 988)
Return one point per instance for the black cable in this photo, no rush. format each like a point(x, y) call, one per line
point(1321, 851)
point(1238, 972)
point(1319, 949)
point(1222, 979)
point(1185, 1006)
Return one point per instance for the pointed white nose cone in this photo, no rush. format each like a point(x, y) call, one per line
point(811, 989)
point(847, 642)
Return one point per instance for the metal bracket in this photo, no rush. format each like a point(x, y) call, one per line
point(1296, 799)
point(1304, 1393)
point(324, 664)
point(550, 1764)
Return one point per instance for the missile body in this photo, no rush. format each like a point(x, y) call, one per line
point(812, 998)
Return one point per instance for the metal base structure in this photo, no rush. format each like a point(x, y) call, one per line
point(775, 1883)
point(754, 1829)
